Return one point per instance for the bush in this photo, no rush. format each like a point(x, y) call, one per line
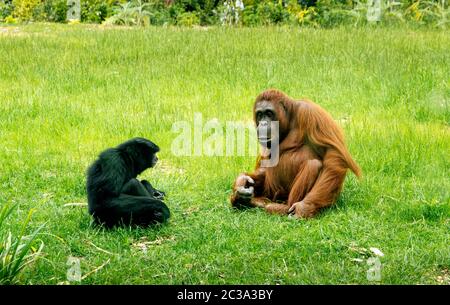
point(249, 16)
point(334, 12)
point(33, 10)
point(264, 13)
point(303, 15)
point(436, 13)
point(272, 13)
point(156, 12)
point(131, 13)
point(200, 11)
point(162, 17)
point(51, 10)
point(162, 14)
point(188, 19)
point(325, 13)
point(6, 9)
point(24, 9)
point(10, 20)
point(96, 11)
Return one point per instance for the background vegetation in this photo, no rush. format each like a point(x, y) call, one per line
point(320, 13)
point(69, 91)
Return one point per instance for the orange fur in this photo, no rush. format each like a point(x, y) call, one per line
point(313, 160)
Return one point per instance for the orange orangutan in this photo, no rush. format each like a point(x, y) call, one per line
point(312, 159)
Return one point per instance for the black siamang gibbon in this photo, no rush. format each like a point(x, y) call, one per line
point(115, 196)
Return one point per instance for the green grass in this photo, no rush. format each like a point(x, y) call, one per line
point(68, 92)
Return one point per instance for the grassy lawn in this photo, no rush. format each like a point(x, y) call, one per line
point(69, 91)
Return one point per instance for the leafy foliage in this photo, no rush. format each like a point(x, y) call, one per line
point(131, 13)
point(51, 10)
point(188, 19)
point(16, 252)
point(324, 13)
point(96, 11)
point(6, 9)
point(23, 9)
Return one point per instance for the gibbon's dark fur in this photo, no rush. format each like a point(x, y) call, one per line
point(115, 196)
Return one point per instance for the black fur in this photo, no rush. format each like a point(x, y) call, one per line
point(115, 196)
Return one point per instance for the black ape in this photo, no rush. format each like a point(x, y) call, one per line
point(115, 196)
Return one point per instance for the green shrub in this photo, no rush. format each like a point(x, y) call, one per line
point(265, 13)
point(272, 13)
point(51, 10)
point(188, 19)
point(122, 15)
point(303, 15)
point(203, 10)
point(393, 13)
point(161, 13)
point(34, 10)
point(250, 16)
point(24, 9)
point(175, 10)
point(208, 15)
point(434, 13)
point(143, 13)
point(10, 20)
point(333, 12)
point(324, 13)
point(16, 251)
point(160, 17)
point(6, 9)
point(96, 11)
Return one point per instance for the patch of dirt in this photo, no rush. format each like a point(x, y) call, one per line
point(444, 277)
point(12, 31)
point(169, 169)
point(15, 31)
point(142, 244)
